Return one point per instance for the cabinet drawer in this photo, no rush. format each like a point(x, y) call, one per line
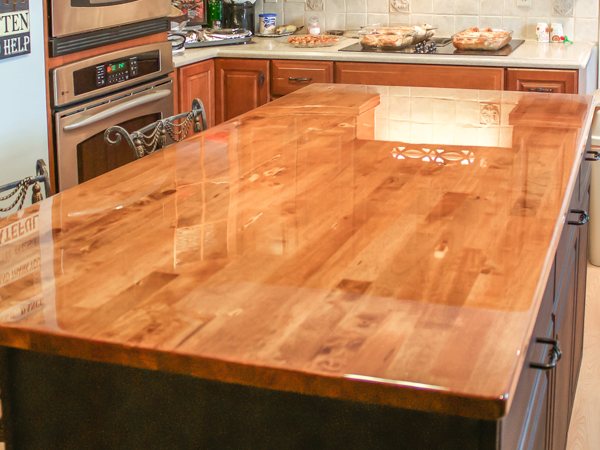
point(420, 75)
point(288, 76)
point(545, 81)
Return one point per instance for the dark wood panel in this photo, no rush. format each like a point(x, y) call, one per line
point(528, 411)
point(97, 406)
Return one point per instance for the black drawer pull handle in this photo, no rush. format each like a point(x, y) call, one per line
point(554, 358)
point(540, 89)
point(300, 79)
point(584, 217)
point(594, 156)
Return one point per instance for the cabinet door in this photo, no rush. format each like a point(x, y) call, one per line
point(241, 85)
point(289, 75)
point(563, 316)
point(420, 75)
point(526, 425)
point(538, 80)
point(583, 230)
point(198, 81)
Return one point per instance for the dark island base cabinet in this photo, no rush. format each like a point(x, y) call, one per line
point(56, 402)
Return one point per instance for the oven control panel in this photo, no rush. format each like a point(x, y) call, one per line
point(110, 72)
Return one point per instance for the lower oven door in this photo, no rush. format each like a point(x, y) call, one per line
point(82, 153)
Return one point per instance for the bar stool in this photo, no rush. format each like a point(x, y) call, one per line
point(18, 189)
point(158, 134)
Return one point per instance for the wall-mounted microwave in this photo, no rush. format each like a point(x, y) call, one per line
point(81, 24)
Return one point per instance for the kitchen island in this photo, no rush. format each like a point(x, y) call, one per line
point(345, 267)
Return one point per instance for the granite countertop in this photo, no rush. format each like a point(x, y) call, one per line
point(530, 54)
point(385, 245)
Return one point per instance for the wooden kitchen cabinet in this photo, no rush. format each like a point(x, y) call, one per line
point(420, 75)
point(240, 86)
point(541, 410)
point(290, 75)
point(197, 81)
point(542, 80)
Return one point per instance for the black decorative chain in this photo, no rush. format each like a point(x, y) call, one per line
point(19, 192)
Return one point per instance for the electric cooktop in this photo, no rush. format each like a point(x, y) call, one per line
point(443, 47)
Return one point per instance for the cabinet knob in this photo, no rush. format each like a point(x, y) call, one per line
point(594, 156)
point(300, 79)
point(261, 79)
point(584, 217)
point(555, 354)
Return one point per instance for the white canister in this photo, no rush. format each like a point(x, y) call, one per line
point(556, 33)
point(542, 31)
point(266, 23)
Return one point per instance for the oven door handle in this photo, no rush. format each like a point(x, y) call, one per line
point(134, 103)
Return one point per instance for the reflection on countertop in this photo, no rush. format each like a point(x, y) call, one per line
point(303, 239)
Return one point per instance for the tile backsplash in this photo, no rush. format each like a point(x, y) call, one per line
point(579, 17)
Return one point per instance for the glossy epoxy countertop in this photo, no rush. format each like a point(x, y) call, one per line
point(530, 54)
point(394, 255)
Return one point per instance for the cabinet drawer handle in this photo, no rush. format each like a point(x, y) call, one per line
point(594, 156)
point(261, 79)
point(556, 354)
point(584, 217)
point(540, 89)
point(300, 79)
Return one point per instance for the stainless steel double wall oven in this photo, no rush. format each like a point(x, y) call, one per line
point(129, 87)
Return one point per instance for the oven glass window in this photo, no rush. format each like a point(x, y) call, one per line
point(95, 157)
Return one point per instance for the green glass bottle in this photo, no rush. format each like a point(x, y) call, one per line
point(215, 12)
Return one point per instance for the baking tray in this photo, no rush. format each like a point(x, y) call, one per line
point(448, 49)
point(233, 41)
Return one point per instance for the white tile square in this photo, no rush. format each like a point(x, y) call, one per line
point(421, 6)
point(355, 21)
point(335, 6)
point(378, 6)
point(356, 6)
point(443, 6)
point(466, 7)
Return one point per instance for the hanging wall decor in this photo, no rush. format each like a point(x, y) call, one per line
point(14, 28)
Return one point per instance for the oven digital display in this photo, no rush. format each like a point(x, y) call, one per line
point(117, 67)
point(114, 72)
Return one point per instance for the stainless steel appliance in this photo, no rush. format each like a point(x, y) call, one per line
point(130, 88)
point(80, 16)
point(80, 24)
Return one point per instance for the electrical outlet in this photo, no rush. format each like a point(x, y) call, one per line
point(524, 3)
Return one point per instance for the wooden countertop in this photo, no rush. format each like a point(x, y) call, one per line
point(383, 245)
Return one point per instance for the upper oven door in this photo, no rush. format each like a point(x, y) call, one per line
point(80, 16)
point(82, 153)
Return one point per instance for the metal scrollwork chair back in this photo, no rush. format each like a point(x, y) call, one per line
point(18, 189)
point(157, 135)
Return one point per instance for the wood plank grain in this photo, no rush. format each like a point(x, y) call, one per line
point(282, 250)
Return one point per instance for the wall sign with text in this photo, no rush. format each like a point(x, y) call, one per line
point(14, 28)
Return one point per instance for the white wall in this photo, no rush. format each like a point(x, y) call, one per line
point(450, 16)
point(23, 133)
